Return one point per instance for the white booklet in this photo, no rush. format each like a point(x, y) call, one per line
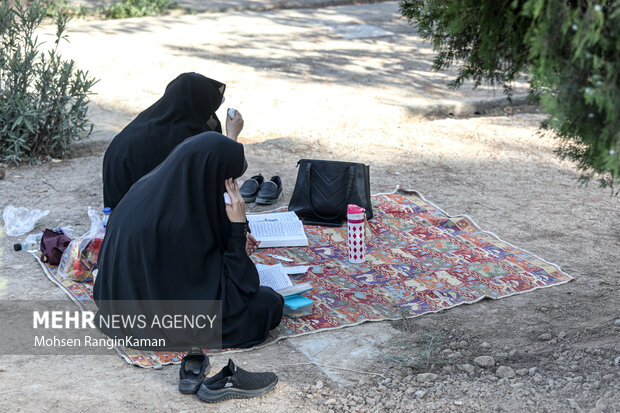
point(278, 229)
point(276, 277)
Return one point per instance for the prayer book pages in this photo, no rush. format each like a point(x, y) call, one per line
point(280, 229)
point(275, 276)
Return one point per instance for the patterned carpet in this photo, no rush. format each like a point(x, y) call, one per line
point(419, 260)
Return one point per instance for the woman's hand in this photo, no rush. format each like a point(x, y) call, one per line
point(251, 245)
point(234, 125)
point(236, 209)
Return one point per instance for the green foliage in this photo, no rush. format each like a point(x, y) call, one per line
point(136, 8)
point(43, 98)
point(56, 8)
point(485, 36)
point(120, 9)
point(570, 49)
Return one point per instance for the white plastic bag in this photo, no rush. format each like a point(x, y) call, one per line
point(20, 220)
point(96, 224)
point(80, 258)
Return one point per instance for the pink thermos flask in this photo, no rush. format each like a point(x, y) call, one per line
point(357, 243)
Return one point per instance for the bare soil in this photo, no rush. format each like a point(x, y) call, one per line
point(562, 343)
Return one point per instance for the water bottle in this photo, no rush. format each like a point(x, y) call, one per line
point(357, 244)
point(32, 243)
point(106, 216)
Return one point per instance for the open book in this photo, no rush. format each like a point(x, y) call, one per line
point(276, 277)
point(279, 229)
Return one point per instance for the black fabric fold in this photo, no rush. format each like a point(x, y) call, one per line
point(187, 108)
point(170, 239)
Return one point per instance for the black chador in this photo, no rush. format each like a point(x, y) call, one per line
point(170, 239)
point(187, 108)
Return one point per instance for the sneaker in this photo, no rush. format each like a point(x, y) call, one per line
point(194, 367)
point(270, 191)
point(233, 382)
point(250, 188)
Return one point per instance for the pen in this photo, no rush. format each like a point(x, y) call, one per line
point(281, 258)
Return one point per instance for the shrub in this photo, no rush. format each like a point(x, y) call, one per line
point(570, 49)
point(57, 7)
point(43, 98)
point(136, 8)
point(120, 9)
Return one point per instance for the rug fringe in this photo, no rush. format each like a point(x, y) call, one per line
point(400, 190)
point(418, 194)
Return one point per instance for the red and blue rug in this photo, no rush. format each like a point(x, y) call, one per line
point(419, 260)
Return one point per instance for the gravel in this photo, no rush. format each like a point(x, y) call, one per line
point(522, 372)
point(485, 361)
point(496, 169)
point(426, 377)
point(545, 337)
point(548, 388)
point(504, 372)
point(467, 368)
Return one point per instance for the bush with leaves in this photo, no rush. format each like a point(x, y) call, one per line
point(120, 9)
point(43, 98)
point(136, 8)
point(569, 49)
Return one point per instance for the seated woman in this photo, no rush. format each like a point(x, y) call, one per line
point(173, 237)
point(187, 108)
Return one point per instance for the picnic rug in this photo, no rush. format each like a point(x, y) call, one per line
point(419, 260)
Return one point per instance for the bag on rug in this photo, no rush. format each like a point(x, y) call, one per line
point(80, 258)
point(324, 189)
point(53, 244)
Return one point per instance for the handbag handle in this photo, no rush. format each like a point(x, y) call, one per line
point(346, 200)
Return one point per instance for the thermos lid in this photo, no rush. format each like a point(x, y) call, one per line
point(355, 209)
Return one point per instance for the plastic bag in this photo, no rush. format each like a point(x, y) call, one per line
point(20, 220)
point(80, 258)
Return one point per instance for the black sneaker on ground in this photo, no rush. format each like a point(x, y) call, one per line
point(194, 367)
point(233, 382)
point(250, 188)
point(270, 191)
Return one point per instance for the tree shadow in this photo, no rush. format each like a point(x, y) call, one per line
point(322, 47)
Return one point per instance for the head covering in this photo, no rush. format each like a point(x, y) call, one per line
point(187, 108)
point(166, 239)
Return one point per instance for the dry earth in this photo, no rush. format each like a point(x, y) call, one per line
point(561, 344)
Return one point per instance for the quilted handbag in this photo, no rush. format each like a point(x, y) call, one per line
point(324, 189)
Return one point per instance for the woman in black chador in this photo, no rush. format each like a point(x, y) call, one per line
point(187, 108)
point(173, 237)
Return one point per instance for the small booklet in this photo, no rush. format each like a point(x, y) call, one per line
point(276, 277)
point(279, 229)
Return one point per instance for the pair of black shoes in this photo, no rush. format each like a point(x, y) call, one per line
point(261, 191)
point(231, 382)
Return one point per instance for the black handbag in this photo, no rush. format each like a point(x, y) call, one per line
point(324, 189)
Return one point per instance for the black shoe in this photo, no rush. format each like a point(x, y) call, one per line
point(194, 367)
point(270, 191)
point(250, 188)
point(233, 382)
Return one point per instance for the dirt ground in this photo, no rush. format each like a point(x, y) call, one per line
point(562, 344)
